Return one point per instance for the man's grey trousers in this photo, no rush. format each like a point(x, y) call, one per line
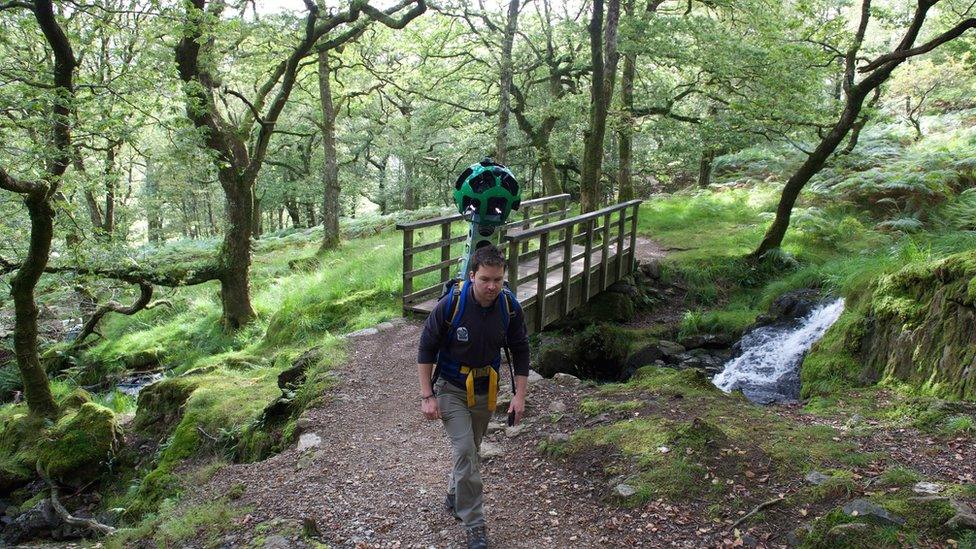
point(465, 428)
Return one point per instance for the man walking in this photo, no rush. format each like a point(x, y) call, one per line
point(464, 335)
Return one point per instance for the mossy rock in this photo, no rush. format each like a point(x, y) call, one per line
point(144, 359)
point(691, 381)
point(161, 404)
point(599, 352)
point(17, 432)
point(922, 327)
point(698, 435)
point(79, 445)
point(75, 399)
point(553, 360)
point(607, 307)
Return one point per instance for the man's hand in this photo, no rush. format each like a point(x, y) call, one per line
point(430, 409)
point(517, 406)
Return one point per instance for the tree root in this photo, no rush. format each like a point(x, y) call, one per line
point(91, 524)
point(756, 509)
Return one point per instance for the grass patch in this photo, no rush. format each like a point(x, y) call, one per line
point(174, 527)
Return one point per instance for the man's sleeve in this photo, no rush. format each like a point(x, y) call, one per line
point(431, 337)
point(518, 342)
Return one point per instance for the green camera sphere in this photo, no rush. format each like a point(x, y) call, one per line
point(487, 192)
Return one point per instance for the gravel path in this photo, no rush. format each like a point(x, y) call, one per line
point(378, 476)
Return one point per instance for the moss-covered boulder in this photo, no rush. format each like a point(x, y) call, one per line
point(553, 360)
point(607, 307)
point(75, 399)
point(76, 449)
point(17, 430)
point(599, 352)
point(160, 404)
point(922, 327)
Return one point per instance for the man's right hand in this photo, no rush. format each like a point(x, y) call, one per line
point(430, 409)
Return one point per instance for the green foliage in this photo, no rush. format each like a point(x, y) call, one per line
point(729, 320)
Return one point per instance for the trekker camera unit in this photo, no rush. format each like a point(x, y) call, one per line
point(485, 194)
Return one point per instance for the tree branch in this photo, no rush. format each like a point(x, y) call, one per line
point(950, 34)
point(12, 184)
point(145, 294)
point(250, 106)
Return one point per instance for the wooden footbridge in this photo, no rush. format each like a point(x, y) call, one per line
point(556, 262)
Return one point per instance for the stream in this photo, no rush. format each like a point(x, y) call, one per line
point(768, 370)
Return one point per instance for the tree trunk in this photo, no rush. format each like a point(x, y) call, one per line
point(603, 41)
point(111, 179)
point(774, 235)
point(625, 184)
point(154, 218)
point(505, 85)
point(235, 253)
point(330, 175)
point(37, 390)
point(292, 207)
point(409, 199)
point(310, 214)
point(550, 181)
point(705, 168)
point(255, 219)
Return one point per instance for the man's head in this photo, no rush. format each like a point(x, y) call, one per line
point(487, 273)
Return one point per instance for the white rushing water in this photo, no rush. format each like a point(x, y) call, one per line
point(768, 368)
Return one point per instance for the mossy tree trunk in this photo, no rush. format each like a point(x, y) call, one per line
point(37, 197)
point(330, 175)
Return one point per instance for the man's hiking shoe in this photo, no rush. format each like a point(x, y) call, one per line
point(477, 538)
point(449, 506)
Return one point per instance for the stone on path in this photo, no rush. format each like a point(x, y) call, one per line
point(816, 478)
point(490, 450)
point(870, 511)
point(514, 431)
point(624, 490)
point(557, 407)
point(363, 333)
point(964, 517)
point(566, 379)
point(309, 440)
point(535, 376)
point(277, 542)
point(927, 488)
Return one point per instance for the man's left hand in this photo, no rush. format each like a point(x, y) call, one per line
point(517, 406)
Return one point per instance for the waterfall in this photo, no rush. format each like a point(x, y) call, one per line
point(768, 370)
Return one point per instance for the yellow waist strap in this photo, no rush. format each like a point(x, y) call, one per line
point(471, 374)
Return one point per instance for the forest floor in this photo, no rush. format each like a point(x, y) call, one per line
point(370, 471)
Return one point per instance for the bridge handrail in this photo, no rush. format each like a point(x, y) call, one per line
point(565, 230)
point(523, 234)
point(457, 217)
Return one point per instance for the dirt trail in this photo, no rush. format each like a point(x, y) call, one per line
point(378, 476)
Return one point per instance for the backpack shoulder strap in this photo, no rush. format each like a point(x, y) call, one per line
point(510, 306)
point(452, 307)
point(456, 304)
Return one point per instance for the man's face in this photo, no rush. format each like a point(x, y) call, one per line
point(488, 282)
